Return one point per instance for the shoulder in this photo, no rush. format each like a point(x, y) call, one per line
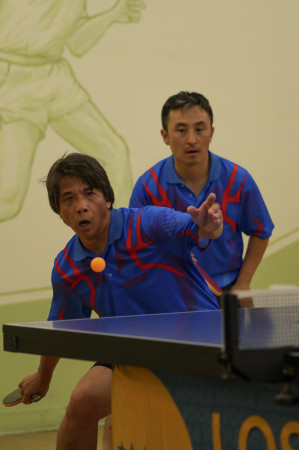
point(156, 169)
point(68, 251)
point(161, 164)
point(229, 163)
point(232, 167)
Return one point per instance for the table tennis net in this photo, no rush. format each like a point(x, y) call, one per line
point(273, 322)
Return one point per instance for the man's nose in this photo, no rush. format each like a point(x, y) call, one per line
point(81, 205)
point(191, 138)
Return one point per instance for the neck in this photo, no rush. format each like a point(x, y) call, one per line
point(96, 246)
point(194, 177)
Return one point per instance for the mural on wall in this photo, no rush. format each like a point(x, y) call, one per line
point(71, 81)
point(38, 88)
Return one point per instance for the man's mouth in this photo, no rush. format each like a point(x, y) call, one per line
point(83, 224)
point(191, 151)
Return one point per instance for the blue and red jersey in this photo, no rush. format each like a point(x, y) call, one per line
point(243, 209)
point(148, 270)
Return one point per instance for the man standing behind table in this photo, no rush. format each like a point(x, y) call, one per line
point(190, 174)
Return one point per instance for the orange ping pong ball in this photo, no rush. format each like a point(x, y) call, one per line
point(98, 264)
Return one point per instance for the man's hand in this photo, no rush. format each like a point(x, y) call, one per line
point(244, 302)
point(33, 384)
point(208, 218)
point(128, 11)
point(39, 382)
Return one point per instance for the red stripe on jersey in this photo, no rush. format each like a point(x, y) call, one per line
point(261, 228)
point(79, 277)
point(227, 199)
point(140, 245)
point(165, 200)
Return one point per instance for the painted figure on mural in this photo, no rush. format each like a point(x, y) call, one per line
point(38, 88)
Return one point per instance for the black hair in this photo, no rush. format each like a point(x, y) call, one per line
point(77, 165)
point(185, 100)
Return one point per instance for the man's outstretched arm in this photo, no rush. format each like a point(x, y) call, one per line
point(91, 29)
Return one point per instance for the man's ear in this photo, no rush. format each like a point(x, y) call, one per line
point(212, 132)
point(108, 205)
point(164, 135)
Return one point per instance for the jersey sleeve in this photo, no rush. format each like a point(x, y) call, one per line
point(171, 229)
point(254, 218)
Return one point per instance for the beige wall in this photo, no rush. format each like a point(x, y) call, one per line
point(244, 57)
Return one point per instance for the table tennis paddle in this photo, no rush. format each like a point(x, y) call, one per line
point(213, 286)
point(15, 397)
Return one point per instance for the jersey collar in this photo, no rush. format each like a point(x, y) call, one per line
point(172, 176)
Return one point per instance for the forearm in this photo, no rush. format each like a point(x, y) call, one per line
point(254, 254)
point(90, 31)
point(47, 366)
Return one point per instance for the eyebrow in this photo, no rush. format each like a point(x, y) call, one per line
point(183, 124)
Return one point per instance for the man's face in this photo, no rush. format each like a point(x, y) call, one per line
point(188, 134)
point(85, 210)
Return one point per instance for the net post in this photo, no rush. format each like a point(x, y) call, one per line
point(230, 328)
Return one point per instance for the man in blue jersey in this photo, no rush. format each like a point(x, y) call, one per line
point(149, 269)
point(190, 174)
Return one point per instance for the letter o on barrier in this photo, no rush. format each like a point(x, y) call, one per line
point(286, 431)
point(256, 422)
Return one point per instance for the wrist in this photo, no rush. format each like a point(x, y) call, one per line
point(204, 243)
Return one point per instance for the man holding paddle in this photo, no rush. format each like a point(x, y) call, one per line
point(148, 269)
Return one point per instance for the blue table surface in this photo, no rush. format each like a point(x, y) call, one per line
point(258, 327)
point(202, 328)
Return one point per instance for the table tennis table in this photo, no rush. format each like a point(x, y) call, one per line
point(191, 353)
point(188, 341)
point(192, 342)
